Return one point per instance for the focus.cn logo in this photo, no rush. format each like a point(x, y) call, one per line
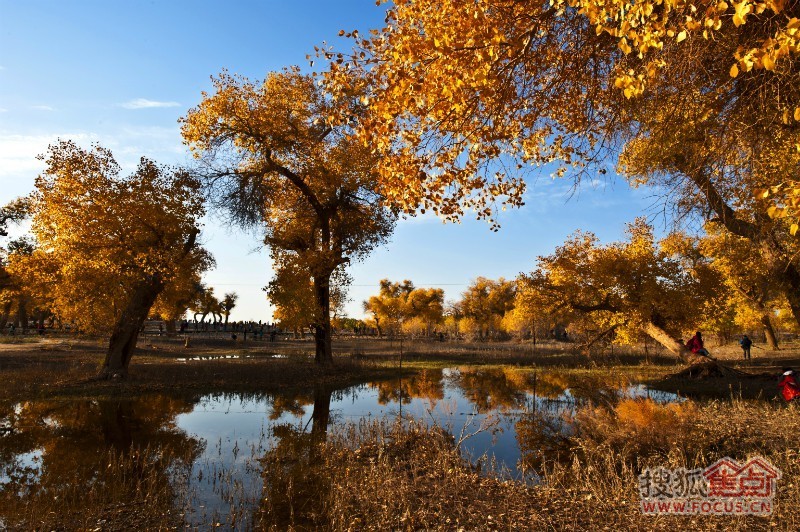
point(726, 487)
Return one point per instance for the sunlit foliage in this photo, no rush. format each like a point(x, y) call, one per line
point(462, 91)
point(402, 306)
point(108, 245)
point(280, 155)
point(625, 289)
point(291, 291)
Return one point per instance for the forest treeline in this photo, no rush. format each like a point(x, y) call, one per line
point(597, 294)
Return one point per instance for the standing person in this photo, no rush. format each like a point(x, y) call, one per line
point(746, 342)
point(695, 345)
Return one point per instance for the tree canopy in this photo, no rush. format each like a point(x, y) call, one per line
point(699, 100)
point(465, 94)
point(280, 155)
point(107, 245)
point(402, 306)
point(626, 288)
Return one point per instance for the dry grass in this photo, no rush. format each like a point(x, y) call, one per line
point(377, 476)
point(112, 491)
point(68, 367)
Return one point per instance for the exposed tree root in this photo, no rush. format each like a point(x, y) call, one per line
point(710, 369)
point(108, 374)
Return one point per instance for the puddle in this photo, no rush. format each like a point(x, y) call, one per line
point(224, 357)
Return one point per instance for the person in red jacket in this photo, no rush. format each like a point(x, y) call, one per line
point(788, 385)
point(695, 345)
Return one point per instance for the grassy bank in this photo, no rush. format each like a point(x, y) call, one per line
point(380, 475)
point(67, 368)
point(388, 476)
point(36, 367)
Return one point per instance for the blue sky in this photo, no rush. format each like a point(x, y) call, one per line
point(122, 73)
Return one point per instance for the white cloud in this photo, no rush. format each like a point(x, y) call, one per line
point(18, 163)
point(3, 110)
point(18, 152)
point(143, 103)
point(41, 108)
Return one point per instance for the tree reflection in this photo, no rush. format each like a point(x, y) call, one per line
point(425, 384)
point(542, 436)
point(494, 389)
point(67, 462)
point(543, 432)
point(294, 484)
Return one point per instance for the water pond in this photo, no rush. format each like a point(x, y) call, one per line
point(204, 454)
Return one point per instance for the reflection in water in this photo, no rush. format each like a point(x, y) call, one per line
point(293, 486)
point(425, 384)
point(251, 460)
point(64, 456)
point(495, 389)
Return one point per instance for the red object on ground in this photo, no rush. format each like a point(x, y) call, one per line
point(789, 388)
point(694, 344)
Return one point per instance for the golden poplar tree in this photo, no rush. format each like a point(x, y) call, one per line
point(281, 155)
point(754, 293)
point(403, 307)
point(108, 245)
point(11, 292)
point(388, 307)
point(484, 304)
point(626, 288)
point(462, 90)
point(291, 291)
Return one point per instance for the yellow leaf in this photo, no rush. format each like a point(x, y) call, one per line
point(682, 36)
point(768, 63)
point(793, 229)
point(734, 71)
point(797, 113)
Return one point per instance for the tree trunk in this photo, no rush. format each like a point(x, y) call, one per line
point(116, 423)
point(791, 277)
point(322, 325)
point(169, 324)
point(769, 332)
point(126, 330)
point(39, 319)
point(4, 317)
point(22, 314)
point(674, 346)
point(758, 232)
